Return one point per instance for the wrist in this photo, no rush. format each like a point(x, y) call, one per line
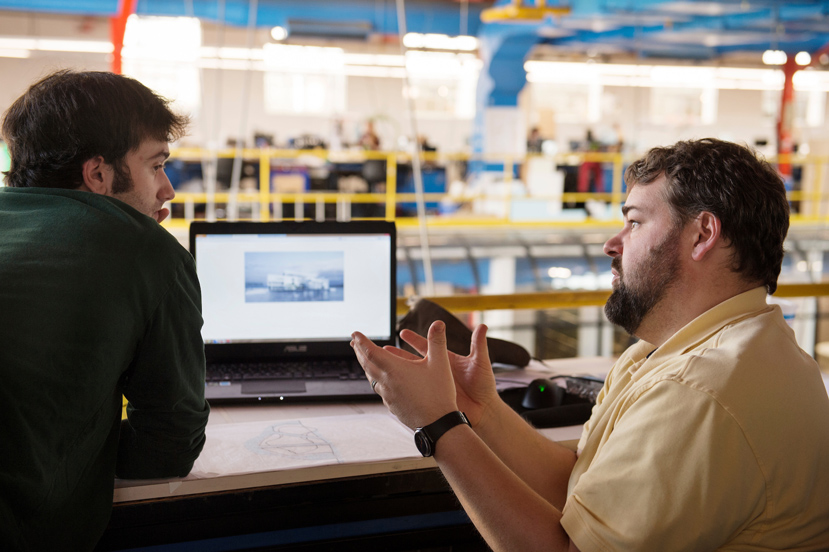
point(427, 437)
point(492, 417)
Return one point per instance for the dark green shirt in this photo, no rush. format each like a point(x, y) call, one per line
point(96, 300)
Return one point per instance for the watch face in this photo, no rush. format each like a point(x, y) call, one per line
point(424, 444)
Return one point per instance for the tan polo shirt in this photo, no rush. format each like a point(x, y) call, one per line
point(718, 441)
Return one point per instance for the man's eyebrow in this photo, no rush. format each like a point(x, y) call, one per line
point(162, 153)
point(627, 208)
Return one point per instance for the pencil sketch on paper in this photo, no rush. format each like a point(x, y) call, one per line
point(293, 439)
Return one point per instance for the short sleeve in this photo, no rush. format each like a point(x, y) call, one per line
point(167, 411)
point(676, 473)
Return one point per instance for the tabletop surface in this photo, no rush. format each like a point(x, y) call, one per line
point(315, 434)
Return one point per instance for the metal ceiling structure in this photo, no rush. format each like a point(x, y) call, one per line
point(689, 29)
point(684, 29)
point(346, 19)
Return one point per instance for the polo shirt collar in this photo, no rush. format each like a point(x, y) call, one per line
point(749, 303)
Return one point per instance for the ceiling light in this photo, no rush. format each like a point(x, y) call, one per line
point(774, 57)
point(92, 46)
point(803, 58)
point(279, 33)
point(559, 272)
point(54, 45)
point(15, 53)
point(304, 59)
point(432, 41)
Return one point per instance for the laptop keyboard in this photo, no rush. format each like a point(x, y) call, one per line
point(297, 370)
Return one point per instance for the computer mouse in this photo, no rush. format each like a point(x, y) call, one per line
point(542, 393)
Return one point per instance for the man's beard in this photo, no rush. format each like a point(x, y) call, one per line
point(121, 178)
point(631, 302)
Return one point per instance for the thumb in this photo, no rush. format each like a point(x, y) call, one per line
point(478, 347)
point(437, 339)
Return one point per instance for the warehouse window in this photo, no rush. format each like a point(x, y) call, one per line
point(684, 106)
point(809, 106)
point(304, 80)
point(571, 103)
point(443, 84)
point(304, 94)
point(161, 52)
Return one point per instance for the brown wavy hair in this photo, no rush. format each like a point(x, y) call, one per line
point(69, 117)
point(730, 181)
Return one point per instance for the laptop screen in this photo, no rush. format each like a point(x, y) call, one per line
point(306, 283)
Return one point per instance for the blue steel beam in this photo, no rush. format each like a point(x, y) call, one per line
point(791, 25)
point(424, 16)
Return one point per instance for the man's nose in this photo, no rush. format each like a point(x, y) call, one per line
point(613, 246)
point(166, 193)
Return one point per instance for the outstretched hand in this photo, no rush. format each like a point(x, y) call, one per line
point(421, 390)
point(417, 390)
point(472, 374)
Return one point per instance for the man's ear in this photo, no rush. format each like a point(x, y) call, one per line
point(97, 175)
point(708, 233)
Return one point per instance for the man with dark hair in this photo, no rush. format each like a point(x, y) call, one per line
point(711, 432)
point(98, 300)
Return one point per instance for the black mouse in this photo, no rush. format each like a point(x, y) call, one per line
point(542, 393)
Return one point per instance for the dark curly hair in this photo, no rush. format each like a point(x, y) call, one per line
point(69, 117)
point(731, 182)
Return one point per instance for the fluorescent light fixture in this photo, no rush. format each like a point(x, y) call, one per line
point(304, 59)
point(91, 46)
point(15, 53)
point(803, 58)
point(442, 65)
point(431, 41)
point(817, 81)
point(210, 52)
point(54, 45)
point(665, 76)
point(12, 42)
point(774, 57)
point(375, 60)
point(374, 71)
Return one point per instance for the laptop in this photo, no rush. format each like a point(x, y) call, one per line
point(280, 301)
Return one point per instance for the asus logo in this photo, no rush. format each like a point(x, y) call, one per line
point(296, 349)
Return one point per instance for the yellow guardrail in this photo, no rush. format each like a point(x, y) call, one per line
point(812, 198)
point(568, 299)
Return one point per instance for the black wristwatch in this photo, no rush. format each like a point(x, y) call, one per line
point(426, 437)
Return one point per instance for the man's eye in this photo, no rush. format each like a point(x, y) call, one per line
point(633, 223)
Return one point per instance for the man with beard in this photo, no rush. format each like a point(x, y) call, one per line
point(98, 300)
point(711, 432)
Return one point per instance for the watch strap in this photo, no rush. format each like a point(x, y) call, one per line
point(436, 429)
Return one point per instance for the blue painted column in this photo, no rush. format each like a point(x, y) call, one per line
point(499, 127)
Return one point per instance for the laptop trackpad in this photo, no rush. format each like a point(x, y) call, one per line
point(255, 387)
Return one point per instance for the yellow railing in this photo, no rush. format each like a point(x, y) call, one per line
point(812, 198)
point(568, 299)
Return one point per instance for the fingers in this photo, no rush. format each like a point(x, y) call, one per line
point(478, 347)
point(401, 353)
point(367, 353)
point(364, 349)
point(437, 339)
point(417, 341)
point(376, 360)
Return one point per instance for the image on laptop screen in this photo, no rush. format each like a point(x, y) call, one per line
point(289, 283)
